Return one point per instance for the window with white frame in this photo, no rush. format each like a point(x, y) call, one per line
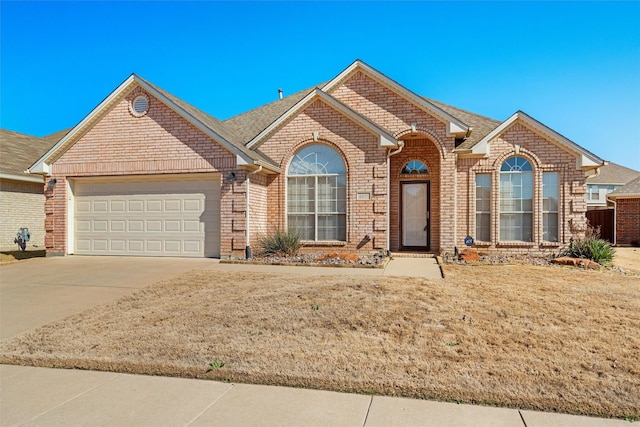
point(593, 192)
point(317, 194)
point(516, 200)
point(483, 207)
point(550, 206)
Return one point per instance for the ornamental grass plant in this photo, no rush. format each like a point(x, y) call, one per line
point(591, 247)
point(281, 243)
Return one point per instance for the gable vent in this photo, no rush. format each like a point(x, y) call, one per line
point(140, 106)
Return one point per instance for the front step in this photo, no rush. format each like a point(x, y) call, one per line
point(413, 254)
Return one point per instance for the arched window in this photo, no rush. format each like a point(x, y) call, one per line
point(414, 167)
point(516, 200)
point(317, 194)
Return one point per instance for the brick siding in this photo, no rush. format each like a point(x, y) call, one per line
point(628, 221)
point(21, 205)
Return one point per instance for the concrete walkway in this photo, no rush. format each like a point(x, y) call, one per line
point(59, 397)
point(39, 291)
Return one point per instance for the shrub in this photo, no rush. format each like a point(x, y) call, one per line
point(283, 243)
point(591, 247)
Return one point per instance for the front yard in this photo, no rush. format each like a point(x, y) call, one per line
point(546, 338)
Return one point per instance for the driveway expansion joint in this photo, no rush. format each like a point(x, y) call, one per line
point(231, 386)
point(366, 417)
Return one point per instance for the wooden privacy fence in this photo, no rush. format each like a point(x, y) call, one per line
point(603, 219)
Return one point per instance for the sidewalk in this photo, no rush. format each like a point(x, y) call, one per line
point(59, 397)
point(427, 268)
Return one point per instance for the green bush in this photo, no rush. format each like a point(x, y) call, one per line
point(591, 247)
point(282, 243)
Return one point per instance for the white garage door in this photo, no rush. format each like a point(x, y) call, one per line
point(151, 217)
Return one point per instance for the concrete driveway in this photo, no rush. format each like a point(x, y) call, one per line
point(38, 291)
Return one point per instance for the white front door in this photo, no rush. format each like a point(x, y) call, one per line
point(415, 214)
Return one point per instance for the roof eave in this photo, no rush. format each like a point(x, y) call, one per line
point(623, 196)
point(23, 178)
point(42, 165)
point(191, 119)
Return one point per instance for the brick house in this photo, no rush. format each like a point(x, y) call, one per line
point(360, 163)
point(21, 196)
point(626, 202)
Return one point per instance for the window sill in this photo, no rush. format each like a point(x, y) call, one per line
point(482, 244)
point(325, 243)
point(550, 244)
point(515, 244)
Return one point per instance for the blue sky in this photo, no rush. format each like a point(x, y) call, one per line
point(574, 66)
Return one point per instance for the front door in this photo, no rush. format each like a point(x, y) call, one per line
point(414, 226)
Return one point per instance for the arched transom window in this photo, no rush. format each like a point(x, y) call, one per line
point(414, 167)
point(317, 194)
point(516, 200)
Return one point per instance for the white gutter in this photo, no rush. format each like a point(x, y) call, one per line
point(247, 252)
point(38, 179)
point(389, 154)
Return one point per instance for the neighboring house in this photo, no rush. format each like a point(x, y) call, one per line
point(610, 178)
point(360, 163)
point(21, 194)
point(627, 214)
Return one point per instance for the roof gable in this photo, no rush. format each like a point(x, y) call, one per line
point(385, 138)
point(211, 126)
point(455, 127)
point(584, 158)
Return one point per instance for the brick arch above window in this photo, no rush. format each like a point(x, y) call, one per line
point(421, 132)
point(522, 152)
point(296, 148)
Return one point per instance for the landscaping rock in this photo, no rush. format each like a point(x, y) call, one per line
point(469, 255)
point(577, 262)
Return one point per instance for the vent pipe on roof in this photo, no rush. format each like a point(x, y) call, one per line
point(280, 93)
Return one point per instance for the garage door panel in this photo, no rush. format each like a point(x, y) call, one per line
point(118, 245)
point(119, 225)
point(118, 206)
point(180, 217)
point(136, 206)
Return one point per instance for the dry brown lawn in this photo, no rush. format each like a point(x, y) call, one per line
point(8, 257)
point(546, 338)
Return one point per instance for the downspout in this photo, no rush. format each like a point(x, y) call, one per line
point(247, 249)
point(389, 154)
point(615, 220)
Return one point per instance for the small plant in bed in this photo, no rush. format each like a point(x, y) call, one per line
point(282, 243)
point(591, 247)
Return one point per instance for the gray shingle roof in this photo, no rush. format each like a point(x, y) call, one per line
point(631, 188)
point(614, 174)
point(248, 125)
point(481, 125)
point(18, 151)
